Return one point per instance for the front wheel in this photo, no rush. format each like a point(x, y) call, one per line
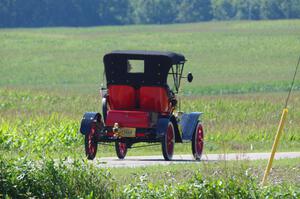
point(168, 142)
point(198, 142)
point(91, 143)
point(121, 149)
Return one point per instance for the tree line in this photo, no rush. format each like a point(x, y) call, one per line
point(40, 13)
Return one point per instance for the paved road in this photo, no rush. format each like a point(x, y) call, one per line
point(137, 161)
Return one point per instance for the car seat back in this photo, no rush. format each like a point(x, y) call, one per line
point(154, 99)
point(121, 97)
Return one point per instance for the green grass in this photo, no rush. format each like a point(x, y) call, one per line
point(205, 179)
point(39, 122)
point(24, 178)
point(50, 76)
point(225, 57)
point(176, 173)
point(78, 179)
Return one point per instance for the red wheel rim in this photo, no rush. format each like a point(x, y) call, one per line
point(91, 141)
point(122, 148)
point(170, 140)
point(199, 140)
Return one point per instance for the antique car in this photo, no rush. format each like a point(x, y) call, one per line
point(138, 105)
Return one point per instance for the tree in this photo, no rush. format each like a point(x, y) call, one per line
point(270, 9)
point(39, 13)
point(249, 9)
point(153, 11)
point(113, 12)
point(223, 9)
point(295, 9)
point(194, 10)
point(5, 13)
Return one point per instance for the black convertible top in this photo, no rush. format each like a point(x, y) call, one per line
point(156, 67)
point(175, 57)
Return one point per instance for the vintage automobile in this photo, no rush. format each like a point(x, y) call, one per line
point(139, 106)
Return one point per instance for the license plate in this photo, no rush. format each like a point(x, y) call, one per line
point(127, 132)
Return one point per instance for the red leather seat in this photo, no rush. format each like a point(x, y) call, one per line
point(154, 99)
point(121, 97)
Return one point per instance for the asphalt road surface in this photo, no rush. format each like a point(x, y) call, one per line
point(137, 161)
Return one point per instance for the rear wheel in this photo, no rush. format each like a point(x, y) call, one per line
point(121, 149)
point(168, 142)
point(198, 142)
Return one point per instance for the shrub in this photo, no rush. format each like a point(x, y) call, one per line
point(23, 178)
point(235, 186)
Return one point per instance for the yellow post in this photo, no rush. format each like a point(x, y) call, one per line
point(275, 144)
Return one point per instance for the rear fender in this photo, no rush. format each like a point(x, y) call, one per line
point(87, 120)
point(176, 129)
point(162, 125)
point(188, 124)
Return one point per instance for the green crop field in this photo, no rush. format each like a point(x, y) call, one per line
point(225, 57)
point(242, 70)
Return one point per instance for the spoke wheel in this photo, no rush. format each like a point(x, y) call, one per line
point(198, 142)
point(168, 142)
point(91, 143)
point(121, 149)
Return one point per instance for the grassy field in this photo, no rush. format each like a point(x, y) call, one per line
point(51, 76)
point(225, 57)
point(42, 122)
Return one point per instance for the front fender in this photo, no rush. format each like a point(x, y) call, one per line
point(188, 124)
point(87, 120)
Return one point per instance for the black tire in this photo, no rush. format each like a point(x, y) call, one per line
point(90, 141)
point(121, 149)
point(198, 142)
point(168, 142)
point(91, 144)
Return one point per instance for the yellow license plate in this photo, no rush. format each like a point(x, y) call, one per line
point(127, 132)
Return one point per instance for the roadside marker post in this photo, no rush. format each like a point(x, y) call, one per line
point(279, 130)
point(275, 145)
